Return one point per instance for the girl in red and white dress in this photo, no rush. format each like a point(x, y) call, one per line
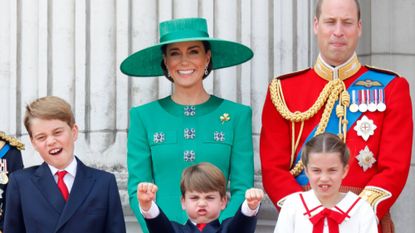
point(324, 209)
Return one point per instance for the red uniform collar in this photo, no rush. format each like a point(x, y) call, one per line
point(341, 72)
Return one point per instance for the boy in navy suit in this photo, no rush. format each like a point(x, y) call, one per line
point(203, 189)
point(62, 194)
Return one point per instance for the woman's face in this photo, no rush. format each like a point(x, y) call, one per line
point(186, 63)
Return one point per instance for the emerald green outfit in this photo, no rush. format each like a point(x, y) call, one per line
point(165, 137)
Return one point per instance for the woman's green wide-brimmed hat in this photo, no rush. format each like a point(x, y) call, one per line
point(147, 62)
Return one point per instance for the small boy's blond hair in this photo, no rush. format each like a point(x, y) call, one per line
point(48, 108)
point(203, 178)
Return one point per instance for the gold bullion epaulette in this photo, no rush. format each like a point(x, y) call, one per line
point(284, 76)
point(382, 70)
point(374, 195)
point(12, 141)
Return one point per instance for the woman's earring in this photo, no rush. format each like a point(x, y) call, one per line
point(206, 70)
point(168, 74)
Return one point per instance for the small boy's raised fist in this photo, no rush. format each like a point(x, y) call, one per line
point(146, 192)
point(253, 197)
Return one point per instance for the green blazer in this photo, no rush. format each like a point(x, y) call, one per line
point(165, 137)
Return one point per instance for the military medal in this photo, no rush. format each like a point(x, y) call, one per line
point(365, 128)
point(366, 158)
point(372, 105)
point(4, 179)
point(362, 104)
point(381, 105)
point(354, 107)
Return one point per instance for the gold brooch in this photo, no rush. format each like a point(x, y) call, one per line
point(224, 117)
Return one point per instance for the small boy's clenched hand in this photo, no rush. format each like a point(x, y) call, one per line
point(253, 197)
point(146, 192)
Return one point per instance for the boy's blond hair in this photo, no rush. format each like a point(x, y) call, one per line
point(48, 108)
point(203, 177)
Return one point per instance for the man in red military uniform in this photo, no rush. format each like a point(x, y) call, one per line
point(369, 108)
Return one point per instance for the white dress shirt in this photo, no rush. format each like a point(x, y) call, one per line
point(69, 177)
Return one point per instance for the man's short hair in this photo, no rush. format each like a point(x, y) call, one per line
point(320, 2)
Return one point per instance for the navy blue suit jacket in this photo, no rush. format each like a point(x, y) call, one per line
point(14, 162)
point(34, 203)
point(237, 224)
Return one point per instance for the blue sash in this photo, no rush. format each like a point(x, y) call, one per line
point(4, 150)
point(333, 124)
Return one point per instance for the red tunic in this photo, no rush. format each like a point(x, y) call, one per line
point(391, 143)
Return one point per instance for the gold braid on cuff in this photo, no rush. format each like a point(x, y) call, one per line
point(374, 195)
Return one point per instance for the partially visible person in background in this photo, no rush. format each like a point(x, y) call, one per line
point(191, 125)
point(10, 161)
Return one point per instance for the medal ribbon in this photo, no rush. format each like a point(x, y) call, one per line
point(332, 125)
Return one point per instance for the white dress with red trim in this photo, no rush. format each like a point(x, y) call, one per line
point(302, 212)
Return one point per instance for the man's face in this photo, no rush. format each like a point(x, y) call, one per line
point(338, 30)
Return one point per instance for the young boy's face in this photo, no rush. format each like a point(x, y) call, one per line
point(203, 207)
point(54, 140)
point(326, 172)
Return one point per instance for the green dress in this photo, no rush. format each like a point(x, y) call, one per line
point(165, 137)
